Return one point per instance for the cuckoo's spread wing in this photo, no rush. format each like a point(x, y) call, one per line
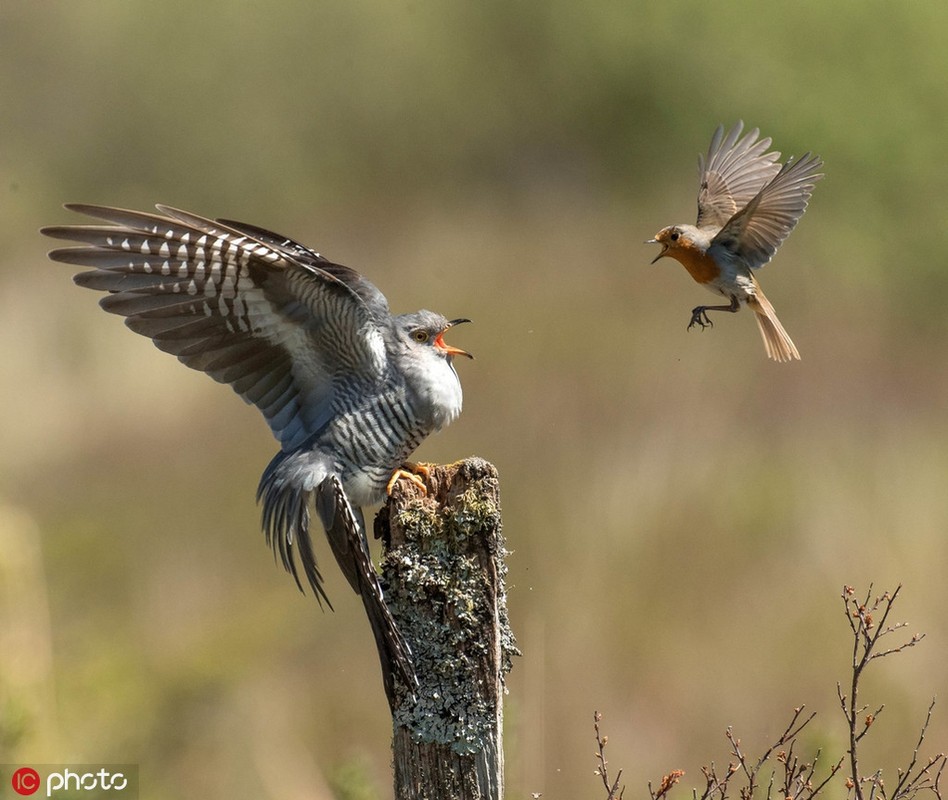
point(733, 172)
point(755, 232)
point(272, 318)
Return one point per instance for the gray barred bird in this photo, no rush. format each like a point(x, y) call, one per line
point(747, 205)
point(348, 389)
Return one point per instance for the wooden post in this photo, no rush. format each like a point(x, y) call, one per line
point(443, 574)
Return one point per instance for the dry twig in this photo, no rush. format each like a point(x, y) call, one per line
point(796, 781)
point(796, 778)
point(612, 789)
point(867, 633)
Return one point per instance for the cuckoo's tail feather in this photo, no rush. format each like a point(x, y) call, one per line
point(285, 499)
point(286, 525)
point(777, 342)
point(345, 528)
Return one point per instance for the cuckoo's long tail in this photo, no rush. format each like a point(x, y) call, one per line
point(345, 529)
point(779, 345)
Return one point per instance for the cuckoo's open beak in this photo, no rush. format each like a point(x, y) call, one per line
point(447, 349)
point(664, 248)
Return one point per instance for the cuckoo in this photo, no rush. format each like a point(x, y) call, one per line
point(348, 389)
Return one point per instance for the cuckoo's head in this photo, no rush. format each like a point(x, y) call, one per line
point(424, 332)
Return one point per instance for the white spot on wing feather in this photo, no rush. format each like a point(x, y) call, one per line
point(376, 344)
point(228, 285)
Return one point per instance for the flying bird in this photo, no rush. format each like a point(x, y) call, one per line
point(748, 202)
point(348, 389)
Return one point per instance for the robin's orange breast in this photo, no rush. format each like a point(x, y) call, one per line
point(700, 265)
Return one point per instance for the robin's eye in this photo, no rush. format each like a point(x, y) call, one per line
point(674, 237)
point(420, 336)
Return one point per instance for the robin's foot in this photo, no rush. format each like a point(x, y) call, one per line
point(699, 316)
point(411, 471)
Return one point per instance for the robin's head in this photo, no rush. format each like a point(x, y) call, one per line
point(676, 239)
point(669, 238)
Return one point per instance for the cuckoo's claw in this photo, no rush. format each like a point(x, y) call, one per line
point(411, 471)
point(699, 316)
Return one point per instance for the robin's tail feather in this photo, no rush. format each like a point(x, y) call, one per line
point(779, 345)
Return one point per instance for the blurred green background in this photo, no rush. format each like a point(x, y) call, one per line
point(682, 512)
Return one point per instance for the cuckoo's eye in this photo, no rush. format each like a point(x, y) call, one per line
point(674, 236)
point(421, 336)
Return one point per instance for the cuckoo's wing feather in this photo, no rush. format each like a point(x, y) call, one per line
point(755, 232)
point(367, 291)
point(264, 314)
point(733, 172)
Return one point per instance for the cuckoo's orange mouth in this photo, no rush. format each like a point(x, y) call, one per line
point(447, 349)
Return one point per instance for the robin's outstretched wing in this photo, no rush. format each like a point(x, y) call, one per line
point(755, 232)
point(272, 318)
point(733, 172)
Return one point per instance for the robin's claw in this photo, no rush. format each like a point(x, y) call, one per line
point(699, 316)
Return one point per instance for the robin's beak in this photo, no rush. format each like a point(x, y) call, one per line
point(447, 349)
point(664, 248)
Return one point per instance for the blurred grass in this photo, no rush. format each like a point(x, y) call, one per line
point(682, 513)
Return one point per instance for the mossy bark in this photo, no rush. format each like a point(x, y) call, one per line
point(443, 574)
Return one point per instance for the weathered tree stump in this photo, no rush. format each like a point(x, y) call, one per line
point(443, 574)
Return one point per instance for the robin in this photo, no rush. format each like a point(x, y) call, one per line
point(747, 205)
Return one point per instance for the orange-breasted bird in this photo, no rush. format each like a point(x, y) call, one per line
point(747, 205)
